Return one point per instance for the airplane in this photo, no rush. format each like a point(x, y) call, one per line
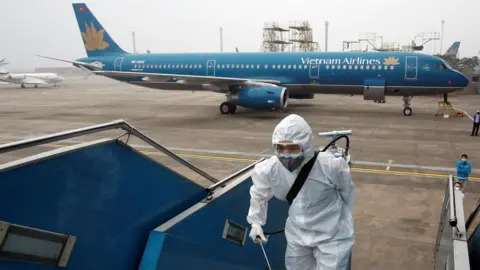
point(267, 80)
point(29, 78)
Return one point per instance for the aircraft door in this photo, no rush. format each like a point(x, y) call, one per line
point(211, 67)
point(117, 65)
point(314, 70)
point(411, 64)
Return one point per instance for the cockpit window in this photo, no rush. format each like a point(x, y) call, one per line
point(445, 65)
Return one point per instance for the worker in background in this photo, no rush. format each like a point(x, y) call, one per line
point(463, 170)
point(319, 228)
point(476, 123)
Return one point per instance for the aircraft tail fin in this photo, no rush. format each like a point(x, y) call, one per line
point(3, 63)
point(453, 50)
point(3, 71)
point(95, 38)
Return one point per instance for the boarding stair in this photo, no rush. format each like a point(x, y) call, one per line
point(103, 204)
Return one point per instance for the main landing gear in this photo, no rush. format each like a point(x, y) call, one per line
point(407, 111)
point(228, 108)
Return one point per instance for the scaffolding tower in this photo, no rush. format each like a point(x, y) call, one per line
point(301, 37)
point(274, 38)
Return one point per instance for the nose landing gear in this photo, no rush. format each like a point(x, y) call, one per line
point(407, 111)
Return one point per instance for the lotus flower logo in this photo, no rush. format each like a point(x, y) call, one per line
point(93, 39)
point(390, 61)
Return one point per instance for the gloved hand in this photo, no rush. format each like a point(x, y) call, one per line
point(256, 233)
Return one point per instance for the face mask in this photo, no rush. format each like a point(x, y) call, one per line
point(464, 160)
point(291, 161)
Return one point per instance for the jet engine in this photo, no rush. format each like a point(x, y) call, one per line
point(16, 76)
point(264, 97)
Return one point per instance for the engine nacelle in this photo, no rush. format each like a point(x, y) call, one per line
point(16, 76)
point(264, 97)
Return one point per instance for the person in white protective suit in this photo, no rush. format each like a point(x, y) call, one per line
point(319, 228)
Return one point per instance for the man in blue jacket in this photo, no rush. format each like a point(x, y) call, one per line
point(463, 170)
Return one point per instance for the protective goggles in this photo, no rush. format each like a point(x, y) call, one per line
point(287, 147)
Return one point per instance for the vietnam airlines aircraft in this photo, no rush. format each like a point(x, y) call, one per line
point(266, 80)
point(28, 78)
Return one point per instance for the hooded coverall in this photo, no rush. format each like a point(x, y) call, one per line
point(319, 229)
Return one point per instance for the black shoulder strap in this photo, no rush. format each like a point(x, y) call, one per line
point(301, 178)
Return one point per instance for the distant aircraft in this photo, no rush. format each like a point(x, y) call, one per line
point(266, 80)
point(29, 78)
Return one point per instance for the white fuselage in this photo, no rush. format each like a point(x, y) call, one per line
point(31, 78)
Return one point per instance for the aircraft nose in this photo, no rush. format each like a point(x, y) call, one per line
point(461, 80)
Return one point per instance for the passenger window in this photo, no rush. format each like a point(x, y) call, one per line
point(367, 67)
point(338, 67)
point(374, 67)
point(350, 67)
point(333, 66)
point(361, 67)
point(305, 67)
point(258, 66)
point(273, 66)
point(134, 66)
point(294, 66)
point(379, 67)
point(199, 66)
point(190, 66)
point(238, 66)
point(355, 67)
point(289, 66)
point(344, 66)
point(266, 66)
point(392, 67)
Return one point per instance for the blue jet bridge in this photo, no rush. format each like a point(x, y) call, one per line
point(103, 204)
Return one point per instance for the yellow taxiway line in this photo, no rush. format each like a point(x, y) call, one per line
point(224, 158)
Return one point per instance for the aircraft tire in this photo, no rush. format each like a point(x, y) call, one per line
point(227, 108)
point(407, 111)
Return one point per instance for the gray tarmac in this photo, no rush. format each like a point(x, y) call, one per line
point(400, 164)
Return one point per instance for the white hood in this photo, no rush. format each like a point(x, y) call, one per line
point(295, 128)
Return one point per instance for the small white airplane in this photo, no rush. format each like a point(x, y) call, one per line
point(29, 78)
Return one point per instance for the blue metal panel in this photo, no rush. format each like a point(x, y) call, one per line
point(206, 248)
point(108, 196)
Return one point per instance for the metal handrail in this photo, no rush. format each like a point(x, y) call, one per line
point(453, 211)
point(13, 146)
point(232, 176)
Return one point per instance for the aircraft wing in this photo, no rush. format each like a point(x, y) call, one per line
point(193, 79)
point(75, 63)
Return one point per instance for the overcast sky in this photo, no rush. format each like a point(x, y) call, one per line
point(49, 27)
